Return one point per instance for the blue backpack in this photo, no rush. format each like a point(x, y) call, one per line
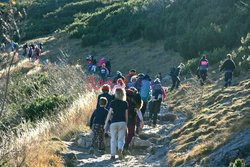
point(145, 90)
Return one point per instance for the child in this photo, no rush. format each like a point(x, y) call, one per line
point(97, 124)
point(118, 127)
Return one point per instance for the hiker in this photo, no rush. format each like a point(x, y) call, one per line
point(108, 65)
point(97, 122)
point(159, 76)
point(104, 73)
point(14, 46)
point(158, 95)
point(119, 85)
point(25, 48)
point(132, 82)
point(145, 92)
point(37, 52)
point(93, 68)
point(30, 53)
point(175, 76)
point(118, 127)
point(101, 62)
point(134, 106)
point(89, 62)
point(40, 46)
point(105, 93)
point(228, 67)
point(139, 81)
point(118, 76)
point(131, 73)
point(203, 69)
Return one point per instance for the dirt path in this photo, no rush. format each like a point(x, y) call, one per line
point(151, 156)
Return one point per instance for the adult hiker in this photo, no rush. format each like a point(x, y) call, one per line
point(175, 76)
point(25, 49)
point(145, 92)
point(132, 82)
point(131, 73)
point(203, 69)
point(119, 85)
point(104, 73)
point(101, 62)
point(37, 52)
point(40, 46)
point(134, 106)
point(97, 122)
point(118, 76)
point(93, 68)
point(228, 67)
point(159, 76)
point(108, 65)
point(30, 53)
point(119, 112)
point(89, 61)
point(158, 95)
point(14, 47)
point(105, 93)
point(139, 81)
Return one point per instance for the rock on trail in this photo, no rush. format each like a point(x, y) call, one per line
point(147, 149)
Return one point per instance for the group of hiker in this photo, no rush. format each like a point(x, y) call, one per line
point(121, 109)
point(102, 67)
point(122, 106)
point(32, 51)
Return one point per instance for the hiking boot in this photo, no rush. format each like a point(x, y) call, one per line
point(112, 158)
point(120, 155)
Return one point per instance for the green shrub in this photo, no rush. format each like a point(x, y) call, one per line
point(237, 163)
point(43, 107)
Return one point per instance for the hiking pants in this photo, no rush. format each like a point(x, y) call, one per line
point(98, 137)
point(228, 78)
point(143, 110)
point(117, 131)
point(130, 134)
point(203, 75)
point(154, 110)
point(175, 82)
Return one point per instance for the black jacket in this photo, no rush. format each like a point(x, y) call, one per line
point(228, 65)
point(99, 116)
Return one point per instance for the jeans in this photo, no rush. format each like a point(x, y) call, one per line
point(118, 132)
point(228, 78)
point(154, 109)
point(130, 135)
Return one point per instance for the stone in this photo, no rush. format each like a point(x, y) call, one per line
point(138, 143)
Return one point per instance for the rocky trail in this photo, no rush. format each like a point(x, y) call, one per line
point(147, 149)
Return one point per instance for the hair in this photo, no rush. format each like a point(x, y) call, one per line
point(132, 71)
point(133, 89)
point(204, 56)
point(229, 56)
point(103, 101)
point(133, 78)
point(120, 81)
point(120, 94)
point(105, 88)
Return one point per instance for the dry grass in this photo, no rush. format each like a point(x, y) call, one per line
point(33, 146)
point(221, 113)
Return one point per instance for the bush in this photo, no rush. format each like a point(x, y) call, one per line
point(237, 163)
point(43, 107)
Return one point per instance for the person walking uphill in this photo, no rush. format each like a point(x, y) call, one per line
point(175, 75)
point(203, 69)
point(228, 67)
point(158, 95)
point(97, 122)
point(119, 112)
point(135, 104)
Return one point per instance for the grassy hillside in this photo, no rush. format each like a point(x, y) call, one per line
point(188, 27)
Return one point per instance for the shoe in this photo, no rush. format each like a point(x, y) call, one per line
point(112, 158)
point(120, 155)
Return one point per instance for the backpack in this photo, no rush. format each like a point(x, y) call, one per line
point(203, 64)
point(157, 90)
point(145, 89)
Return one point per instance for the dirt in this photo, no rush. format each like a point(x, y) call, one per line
point(154, 156)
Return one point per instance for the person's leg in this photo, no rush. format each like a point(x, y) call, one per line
point(101, 145)
point(226, 79)
point(121, 137)
point(178, 81)
point(230, 78)
point(144, 107)
point(94, 139)
point(113, 133)
point(130, 135)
